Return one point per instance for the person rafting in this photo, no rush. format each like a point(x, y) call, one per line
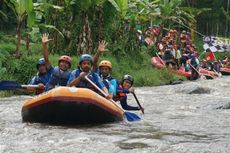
point(168, 57)
point(44, 68)
point(105, 68)
point(194, 67)
point(61, 73)
point(77, 77)
point(215, 66)
point(123, 88)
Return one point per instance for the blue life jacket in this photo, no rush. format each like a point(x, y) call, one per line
point(42, 78)
point(84, 83)
point(106, 81)
point(194, 62)
point(58, 78)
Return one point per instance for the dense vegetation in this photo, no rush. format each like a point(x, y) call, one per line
point(76, 26)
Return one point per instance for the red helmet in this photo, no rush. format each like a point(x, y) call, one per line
point(65, 58)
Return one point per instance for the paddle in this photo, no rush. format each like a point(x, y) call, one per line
point(202, 76)
point(129, 115)
point(13, 85)
point(138, 103)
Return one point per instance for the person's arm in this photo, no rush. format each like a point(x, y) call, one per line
point(76, 81)
point(45, 41)
point(101, 48)
point(123, 90)
point(125, 106)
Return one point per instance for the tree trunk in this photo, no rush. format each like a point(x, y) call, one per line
point(217, 29)
point(100, 23)
point(27, 43)
point(18, 44)
point(226, 24)
point(193, 29)
point(84, 39)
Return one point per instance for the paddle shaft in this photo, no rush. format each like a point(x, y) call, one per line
point(129, 116)
point(195, 69)
point(138, 103)
point(32, 86)
point(104, 94)
point(161, 59)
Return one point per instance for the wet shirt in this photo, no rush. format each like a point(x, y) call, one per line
point(58, 78)
point(42, 78)
point(83, 82)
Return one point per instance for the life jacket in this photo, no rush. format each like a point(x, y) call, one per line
point(41, 78)
point(106, 80)
point(119, 94)
point(168, 55)
point(194, 62)
point(83, 82)
point(183, 38)
point(58, 78)
point(148, 41)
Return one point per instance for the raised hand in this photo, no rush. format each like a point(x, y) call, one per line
point(45, 38)
point(102, 46)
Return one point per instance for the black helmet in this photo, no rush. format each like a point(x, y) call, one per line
point(128, 77)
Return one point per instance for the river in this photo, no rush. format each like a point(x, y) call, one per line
point(178, 119)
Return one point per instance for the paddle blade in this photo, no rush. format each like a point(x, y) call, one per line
point(9, 85)
point(131, 116)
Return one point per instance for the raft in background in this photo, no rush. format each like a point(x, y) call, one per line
point(70, 105)
point(159, 63)
point(225, 71)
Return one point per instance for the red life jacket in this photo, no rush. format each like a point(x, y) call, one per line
point(119, 95)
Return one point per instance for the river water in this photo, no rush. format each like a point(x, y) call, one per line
point(178, 119)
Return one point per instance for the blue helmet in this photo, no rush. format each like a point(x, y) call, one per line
point(156, 25)
point(128, 77)
point(86, 57)
point(41, 61)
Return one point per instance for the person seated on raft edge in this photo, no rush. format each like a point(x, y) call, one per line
point(84, 68)
point(104, 70)
point(61, 73)
point(123, 88)
point(44, 68)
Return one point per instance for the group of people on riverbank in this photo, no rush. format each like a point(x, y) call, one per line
point(49, 77)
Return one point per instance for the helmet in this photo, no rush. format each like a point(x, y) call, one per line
point(65, 58)
point(128, 77)
point(183, 31)
point(139, 31)
point(41, 61)
point(175, 31)
point(86, 57)
point(156, 25)
point(171, 31)
point(105, 63)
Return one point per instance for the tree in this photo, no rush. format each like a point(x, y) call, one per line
point(23, 10)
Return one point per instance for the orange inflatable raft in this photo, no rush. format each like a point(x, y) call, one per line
point(70, 105)
point(159, 63)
